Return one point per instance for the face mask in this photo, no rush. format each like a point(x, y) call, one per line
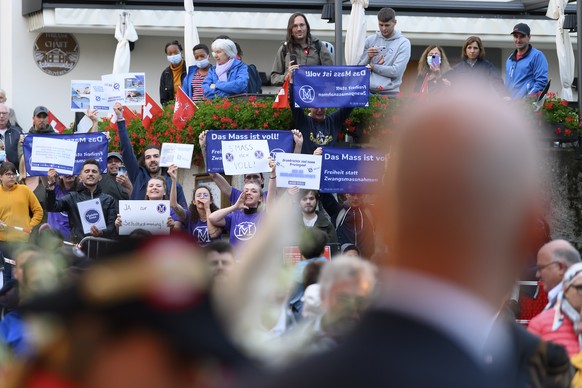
point(435, 60)
point(175, 59)
point(203, 64)
point(2, 156)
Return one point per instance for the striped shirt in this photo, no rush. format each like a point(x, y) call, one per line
point(197, 92)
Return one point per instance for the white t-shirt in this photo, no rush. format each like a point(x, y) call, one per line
point(3, 133)
point(310, 223)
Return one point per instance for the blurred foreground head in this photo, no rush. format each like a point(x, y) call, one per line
point(140, 319)
point(462, 191)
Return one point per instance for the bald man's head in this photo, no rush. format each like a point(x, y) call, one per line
point(462, 189)
point(553, 260)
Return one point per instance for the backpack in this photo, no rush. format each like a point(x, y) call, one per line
point(255, 83)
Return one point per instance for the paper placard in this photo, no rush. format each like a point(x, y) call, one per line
point(148, 215)
point(52, 152)
point(91, 214)
point(178, 154)
point(126, 88)
point(301, 170)
point(245, 156)
point(98, 97)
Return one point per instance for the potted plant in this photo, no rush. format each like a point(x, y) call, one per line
point(561, 121)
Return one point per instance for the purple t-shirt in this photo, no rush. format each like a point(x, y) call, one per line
point(242, 226)
point(60, 220)
point(199, 231)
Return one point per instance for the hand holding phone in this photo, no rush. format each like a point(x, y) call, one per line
point(292, 59)
point(121, 170)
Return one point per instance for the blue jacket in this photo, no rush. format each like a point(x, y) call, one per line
point(187, 82)
point(236, 83)
point(139, 175)
point(527, 76)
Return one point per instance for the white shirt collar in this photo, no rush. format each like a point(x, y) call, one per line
point(454, 311)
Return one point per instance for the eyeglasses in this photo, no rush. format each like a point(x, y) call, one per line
point(540, 268)
point(202, 195)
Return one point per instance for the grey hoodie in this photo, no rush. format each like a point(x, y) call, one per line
point(389, 65)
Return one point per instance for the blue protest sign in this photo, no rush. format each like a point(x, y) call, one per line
point(92, 145)
point(331, 86)
point(351, 170)
point(279, 141)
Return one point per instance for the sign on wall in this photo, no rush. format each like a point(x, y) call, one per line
point(55, 53)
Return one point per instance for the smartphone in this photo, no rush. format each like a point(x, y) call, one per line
point(292, 59)
point(121, 170)
point(381, 48)
point(435, 60)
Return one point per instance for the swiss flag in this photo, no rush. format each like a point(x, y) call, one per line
point(183, 110)
point(150, 111)
point(282, 99)
point(55, 123)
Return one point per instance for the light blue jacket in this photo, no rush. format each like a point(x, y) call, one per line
point(527, 76)
point(187, 82)
point(236, 82)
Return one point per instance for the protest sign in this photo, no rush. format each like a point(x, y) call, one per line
point(125, 88)
point(301, 170)
point(88, 146)
point(52, 152)
point(148, 215)
point(331, 86)
point(351, 170)
point(279, 141)
point(98, 97)
point(91, 214)
point(178, 154)
point(80, 95)
point(245, 156)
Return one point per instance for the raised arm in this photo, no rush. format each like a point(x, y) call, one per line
point(129, 158)
point(92, 114)
point(298, 140)
point(179, 210)
point(272, 187)
point(218, 217)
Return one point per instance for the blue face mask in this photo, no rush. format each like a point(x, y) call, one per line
point(203, 64)
point(2, 156)
point(175, 59)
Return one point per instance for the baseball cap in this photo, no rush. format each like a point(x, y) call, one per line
point(40, 109)
point(521, 28)
point(115, 155)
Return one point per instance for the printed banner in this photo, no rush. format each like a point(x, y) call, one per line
point(279, 141)
point(89, 146)
point(301, 170)
point(148, 215)
point(331, 86)
point(245, 156)
point(351, 170)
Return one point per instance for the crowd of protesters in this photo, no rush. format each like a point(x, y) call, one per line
point(406, 291)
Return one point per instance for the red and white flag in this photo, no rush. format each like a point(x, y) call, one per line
point(183, 110)
point(56, 123)
point(150, 111)
point(282, 99)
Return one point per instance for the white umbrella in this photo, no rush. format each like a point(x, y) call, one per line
point(124, 33)
point(564, 48)
point(356, 34)
point(191, 37)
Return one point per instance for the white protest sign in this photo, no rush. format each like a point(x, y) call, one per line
point(301, 170)
point(148, 215)
point(178, 154)
point(84, 125)
point(91, 214)
point(98, 97)
point(52, 152)
point(245, 156)
point(126, 88)
point(80, 95)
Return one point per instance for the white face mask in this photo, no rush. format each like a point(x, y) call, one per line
point(2, 155)
point(175, 59)
point(203, 64)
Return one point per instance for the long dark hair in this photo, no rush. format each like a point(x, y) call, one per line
point(193, 210)
point(289, 38)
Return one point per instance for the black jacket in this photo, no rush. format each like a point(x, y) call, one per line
point(69, 202)
point(11, 141)
point(167, 84)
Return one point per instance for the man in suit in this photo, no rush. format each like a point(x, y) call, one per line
point(553, 261)
point(460, 197)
